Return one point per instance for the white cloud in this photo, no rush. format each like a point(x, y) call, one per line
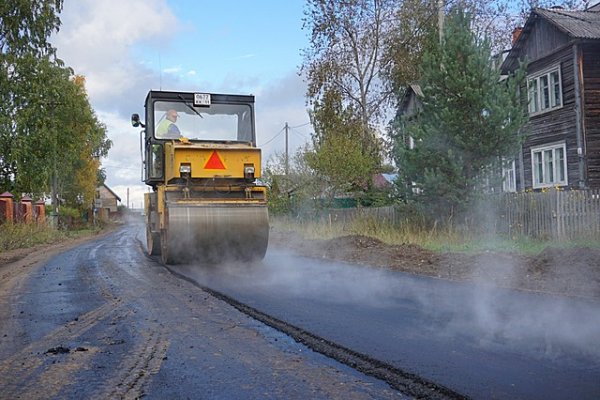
point(280, 102)
point(172, 70)
point(96, 39)
point(124, 163)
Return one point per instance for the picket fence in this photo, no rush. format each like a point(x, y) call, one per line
point(553, 214)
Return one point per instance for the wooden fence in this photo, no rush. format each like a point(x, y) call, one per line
point(553, 214)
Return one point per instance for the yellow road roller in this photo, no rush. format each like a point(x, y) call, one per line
point(200, 158)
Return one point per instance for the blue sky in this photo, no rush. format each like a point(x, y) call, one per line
point(125, 48)
point(239, 39)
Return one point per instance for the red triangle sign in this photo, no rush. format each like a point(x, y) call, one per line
point(214, 162)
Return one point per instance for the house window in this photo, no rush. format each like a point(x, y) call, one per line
point(544, 91)
point(549, 165)
point(509, 177)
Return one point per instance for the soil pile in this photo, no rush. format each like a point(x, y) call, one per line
point(572, 272)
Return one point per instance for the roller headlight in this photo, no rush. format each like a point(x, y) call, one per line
point(185, 170)
point(249, 172)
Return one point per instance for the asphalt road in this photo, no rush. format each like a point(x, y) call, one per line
point(105, 321)
point(479, 341)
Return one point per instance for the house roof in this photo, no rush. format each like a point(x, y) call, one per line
point(110, 190)
point(412, 88)
point(575, 24)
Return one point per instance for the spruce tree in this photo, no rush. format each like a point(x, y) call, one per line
point(469, 122)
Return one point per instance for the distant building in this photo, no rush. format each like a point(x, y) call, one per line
point(384, 181)
point(106, 204)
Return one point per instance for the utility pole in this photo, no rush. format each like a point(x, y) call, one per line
point(287, 156)
point(127, 198)
point(441, 19)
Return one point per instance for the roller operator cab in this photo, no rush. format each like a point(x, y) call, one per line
point(200, 158)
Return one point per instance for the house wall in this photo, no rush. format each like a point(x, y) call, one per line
point(109, 201)
point(553, 126)
point(543, 40)
point(591, 79)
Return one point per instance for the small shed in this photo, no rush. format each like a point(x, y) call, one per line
point(106, 204)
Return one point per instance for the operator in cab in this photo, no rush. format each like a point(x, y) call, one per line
point(167, 129)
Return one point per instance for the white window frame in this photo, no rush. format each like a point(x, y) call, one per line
point(509, 177)
point(545, 160)
point(535, 94)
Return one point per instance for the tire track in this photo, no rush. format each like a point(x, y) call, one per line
point(28, 367)
point(136, 370)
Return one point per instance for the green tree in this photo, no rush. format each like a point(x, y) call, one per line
point(288, 192)
point(86, 139)
point(470, 121)
point(24, 30)
point(339, 154)
point(50, 138)
point(415, 30)
point(346, 56)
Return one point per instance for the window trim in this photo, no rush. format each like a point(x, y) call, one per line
point(542, 149)
point(536, 77)
point(509, 176)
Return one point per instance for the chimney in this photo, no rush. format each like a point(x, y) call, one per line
point(516, 33)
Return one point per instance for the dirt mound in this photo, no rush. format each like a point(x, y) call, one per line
point(357, 241)
point(574, 272)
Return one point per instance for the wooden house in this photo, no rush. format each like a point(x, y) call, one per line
point(562, 96)
point(410, 105)
point(106, 203)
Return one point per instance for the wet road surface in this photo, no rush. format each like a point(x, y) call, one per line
point(102, 321)
point(131, 328)
point(480, 341)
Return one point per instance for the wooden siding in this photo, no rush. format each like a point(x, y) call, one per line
point(543, 40)
point(554, 126)
point(107, 199)
point(591, 79)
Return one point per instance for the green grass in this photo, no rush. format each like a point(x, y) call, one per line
point(17, 236)
point(435, 239)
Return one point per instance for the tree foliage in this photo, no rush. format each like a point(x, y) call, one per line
point(345, 57)
point(415, 29)
point(50, 138)
point(339, 153)
point(291, 187)
point(469, 120)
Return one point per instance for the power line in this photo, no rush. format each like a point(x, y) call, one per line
point(302, 134)
point(273, 138)
point(299, 126)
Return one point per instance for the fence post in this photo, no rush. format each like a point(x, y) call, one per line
point(26, 209)
point(6, 207)
point(40, 211)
